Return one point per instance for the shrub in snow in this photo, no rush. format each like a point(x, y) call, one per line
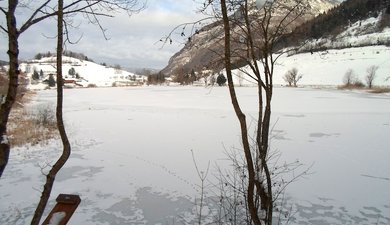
point(45, 116)
point(349, 78)
point(371, 74)
point(92, 85)
point(292, 77)
point(52, 81)
point(221, 79)
point(72, 72)
point(35, 75)
point(358, 84)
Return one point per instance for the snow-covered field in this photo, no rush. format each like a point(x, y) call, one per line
point(327, 68)
point(132, 163)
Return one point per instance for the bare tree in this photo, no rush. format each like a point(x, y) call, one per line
point(13, 53)
point(371, 74)
point(262, 26)
point(292, 77)
point(50, 177)
point(240, 76)
point(349, 78)
point(91, 9)
point(118, 69)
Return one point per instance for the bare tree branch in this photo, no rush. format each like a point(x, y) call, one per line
point(168, 37)
point(3, 29)
point(3, 10)
point(30, 21)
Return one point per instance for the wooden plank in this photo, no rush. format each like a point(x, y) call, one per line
point(63, 210)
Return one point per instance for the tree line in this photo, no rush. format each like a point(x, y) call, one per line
point(68, 53)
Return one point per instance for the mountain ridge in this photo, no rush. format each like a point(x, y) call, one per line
point(205, 46)
point(192, 57)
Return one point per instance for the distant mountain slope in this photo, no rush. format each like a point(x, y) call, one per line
point(347, 19)
point(361, 33)
point(205, 47)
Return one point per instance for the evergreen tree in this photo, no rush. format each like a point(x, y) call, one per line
point(221, 79)
point(72, 71)
point(192, 76)
point(38, 56)
point(41, 73)
point(35, 75)
point(52, 81)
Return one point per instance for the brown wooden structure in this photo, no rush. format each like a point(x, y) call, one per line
point(66, 206)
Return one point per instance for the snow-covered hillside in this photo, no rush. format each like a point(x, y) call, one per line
point(362, 33)
point(327, 68)
point(206, 44)
point(89, 73)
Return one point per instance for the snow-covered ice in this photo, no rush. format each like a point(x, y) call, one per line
point(132, 163)
point(56, 218)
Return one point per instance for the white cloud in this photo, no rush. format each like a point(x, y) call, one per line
point(132, 40)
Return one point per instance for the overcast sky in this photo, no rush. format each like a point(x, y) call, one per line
point(133, 41)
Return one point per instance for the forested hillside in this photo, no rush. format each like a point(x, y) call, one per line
point(204, 48)
point(333, 22)
point(319, 33)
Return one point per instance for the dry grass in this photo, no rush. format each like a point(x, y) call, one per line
point(374, 90)
point(379, 90)
point(358, 86)
point(27, 128)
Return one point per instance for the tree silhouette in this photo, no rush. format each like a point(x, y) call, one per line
point(35, 75)
point(51, 81)
point(221, 79)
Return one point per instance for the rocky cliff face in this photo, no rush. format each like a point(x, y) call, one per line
point(205, 48)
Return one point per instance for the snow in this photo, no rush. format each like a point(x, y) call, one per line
point(91, 73)
point(56, 218)
point(260, 3)
point(131, 157)
point(4, 139)
point(362, 33)
point(327, 68)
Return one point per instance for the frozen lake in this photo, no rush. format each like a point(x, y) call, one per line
point(132, 161)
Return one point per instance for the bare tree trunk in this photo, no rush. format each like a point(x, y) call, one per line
point(5, 110)
point(50, 177)
point(242, 119)
point(89, 8)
